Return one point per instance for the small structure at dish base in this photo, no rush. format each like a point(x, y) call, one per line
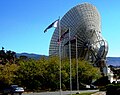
point(84, 24)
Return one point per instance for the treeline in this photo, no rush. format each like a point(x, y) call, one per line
point(43, 74)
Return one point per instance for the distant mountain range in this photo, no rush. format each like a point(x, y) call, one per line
point(31, 55)
point(115, 61)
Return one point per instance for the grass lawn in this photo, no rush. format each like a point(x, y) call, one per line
point(88, 93)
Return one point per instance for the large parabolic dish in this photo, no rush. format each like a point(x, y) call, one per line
point(84, 23)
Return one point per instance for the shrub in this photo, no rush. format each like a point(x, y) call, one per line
point(113, 89)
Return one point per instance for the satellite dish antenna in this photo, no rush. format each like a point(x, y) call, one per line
point(84, 23)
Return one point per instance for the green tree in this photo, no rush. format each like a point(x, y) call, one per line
point(44, 74)
point(7, 74)
point(2, 56)
point(51, 73)
point(87, 72)
point(29, 74)
point(7, 57)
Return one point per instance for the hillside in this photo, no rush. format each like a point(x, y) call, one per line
point(31, 55)
point(115, 61)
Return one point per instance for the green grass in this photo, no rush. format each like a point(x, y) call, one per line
point(88, 93)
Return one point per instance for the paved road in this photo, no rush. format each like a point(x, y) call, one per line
point(58, 93)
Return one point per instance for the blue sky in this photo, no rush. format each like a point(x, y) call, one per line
point(22, 23)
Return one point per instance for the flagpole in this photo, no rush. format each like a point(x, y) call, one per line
point(70, 63)
point(57, 24)
point(59, 27)
point(77, 63)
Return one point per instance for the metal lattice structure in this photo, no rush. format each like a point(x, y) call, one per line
point(84, 23)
